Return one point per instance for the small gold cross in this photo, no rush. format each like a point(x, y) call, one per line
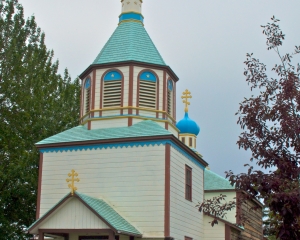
point(72, 179)
point(186, 96)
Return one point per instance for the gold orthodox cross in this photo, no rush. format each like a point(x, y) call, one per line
point(72, 179)
point(186, 96)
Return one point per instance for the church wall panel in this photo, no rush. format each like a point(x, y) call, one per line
point(173, 130)
point(109, 123)
point(217, 232)
point(111, 113)
point(129, 179)
point(125, 71)
point(74, 215)
point(136, 71)
point(147, 114)
point(230, 216)
point(185, 220)
point(99, 73)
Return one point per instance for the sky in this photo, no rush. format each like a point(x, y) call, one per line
point(204, 42)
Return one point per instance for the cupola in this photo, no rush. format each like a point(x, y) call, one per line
point(188, 128)
point(131, 10)
point(129, 81)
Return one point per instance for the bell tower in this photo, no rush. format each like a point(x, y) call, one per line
point(129, 81)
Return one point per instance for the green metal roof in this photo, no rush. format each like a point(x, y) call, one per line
point(104, 210)
point(130, 41)
point(109, 214)
point(145, 128)
point(213, 181)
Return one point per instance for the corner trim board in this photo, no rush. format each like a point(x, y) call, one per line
point(39, 193)
point(167, 189)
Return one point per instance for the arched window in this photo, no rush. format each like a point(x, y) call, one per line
point(87, 94)
point(147, 90)
point(112, 89)
point(170, 97)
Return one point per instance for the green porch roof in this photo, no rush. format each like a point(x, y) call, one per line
point(130, 41)
point(213, 181)
point(109, 214)
point(145, 128)
point(103, 209)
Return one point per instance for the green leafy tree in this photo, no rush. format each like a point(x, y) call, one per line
point(35, 102)
point(270, 121)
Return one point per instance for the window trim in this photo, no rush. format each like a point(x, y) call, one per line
point(170, 97)
point(87, 95)
point(107, 80)
point(139, 79)
point(188, 185)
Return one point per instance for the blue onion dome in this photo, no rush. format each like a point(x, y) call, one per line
point(187, 125)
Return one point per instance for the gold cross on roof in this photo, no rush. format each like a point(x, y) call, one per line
point(186, 96)
point(72, 179)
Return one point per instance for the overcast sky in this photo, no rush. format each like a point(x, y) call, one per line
point(204, 42)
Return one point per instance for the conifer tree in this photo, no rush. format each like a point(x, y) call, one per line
point(35, 102)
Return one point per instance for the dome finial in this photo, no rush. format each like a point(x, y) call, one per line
point(186, 95)
point(131, 11)
point(132, 6)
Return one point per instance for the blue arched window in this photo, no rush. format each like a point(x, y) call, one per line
point(170, 97)
point(112, 89)
point(147, 90)
point(87, 94)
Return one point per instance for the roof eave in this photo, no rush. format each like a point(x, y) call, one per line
point(170, 137)
point(130, 62)
point(46, 215)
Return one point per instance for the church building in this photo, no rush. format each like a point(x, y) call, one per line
point(130, 170)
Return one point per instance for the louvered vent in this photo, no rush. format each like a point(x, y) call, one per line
point(170, 102)
point(87, 100)
point(147, 96)
point(112, 93)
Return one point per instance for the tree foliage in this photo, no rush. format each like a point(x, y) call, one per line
point(270, 122)
point(216, 208)
point(35, 102)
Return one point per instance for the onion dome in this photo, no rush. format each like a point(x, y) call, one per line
point(188, 126)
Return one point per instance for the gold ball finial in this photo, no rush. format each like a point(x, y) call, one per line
point(186, 95)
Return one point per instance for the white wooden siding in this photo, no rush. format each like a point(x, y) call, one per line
point(217, 232)
point(99, 73)
point(185, 220)
point(74, 215)
point(125, 71)
point(147, 114)
point(230, 216)
point(130, 179)
point(111, 113)
point(110, 123)
point(173, 130)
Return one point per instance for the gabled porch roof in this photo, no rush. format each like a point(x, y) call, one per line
point(107, 215)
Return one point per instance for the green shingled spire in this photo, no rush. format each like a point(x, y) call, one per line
point(129, 42)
